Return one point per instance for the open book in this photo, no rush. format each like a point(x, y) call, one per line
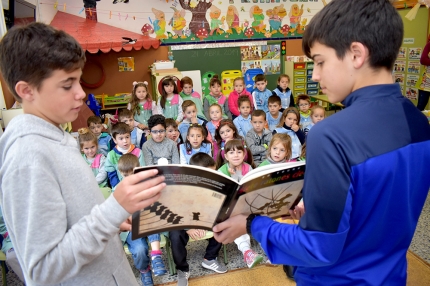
point(197, 197)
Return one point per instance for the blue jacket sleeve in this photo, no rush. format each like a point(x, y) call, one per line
point(113, 178)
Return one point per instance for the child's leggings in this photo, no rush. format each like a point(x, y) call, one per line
point(243, 243)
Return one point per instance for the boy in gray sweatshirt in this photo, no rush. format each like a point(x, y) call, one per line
point(62, 229)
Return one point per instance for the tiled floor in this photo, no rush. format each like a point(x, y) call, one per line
point(420, 245)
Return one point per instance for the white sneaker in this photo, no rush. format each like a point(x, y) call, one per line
point(214, 265)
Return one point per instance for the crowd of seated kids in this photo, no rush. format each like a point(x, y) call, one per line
point(233, 136)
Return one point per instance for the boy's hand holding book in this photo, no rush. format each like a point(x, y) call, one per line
point(227, 231)
point(139, 190)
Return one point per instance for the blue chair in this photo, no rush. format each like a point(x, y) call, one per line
point(93, 104)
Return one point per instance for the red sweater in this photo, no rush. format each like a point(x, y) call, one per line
point(233, 100)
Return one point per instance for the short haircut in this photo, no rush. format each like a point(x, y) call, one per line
point(343, 22)
point(214, 80)
point(186, 80)
point(155, 120)
point(127, 163)
point(286, 112)
point(120, 129)
point(85, 135)
point(171, 122)
point(242, 99)
point(186, 104)
point(282, 76)
point(257, 113)
point(260, 77)
point(274, 99)
point(32, 52)
point(315, 107)
point(203, 160)
point(93, 119)
point(125, 113)
point(303, 97)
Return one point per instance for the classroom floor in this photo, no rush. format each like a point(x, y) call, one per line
point(420, 246)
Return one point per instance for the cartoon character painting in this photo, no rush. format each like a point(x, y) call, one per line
point(275, 17)
point(215, 13)
point(295, 16)
point(178, 23)
point(257, 13)
point(232, 20)
point(159, 24)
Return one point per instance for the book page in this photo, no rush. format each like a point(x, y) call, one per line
point(193, 198)
point(272, 193)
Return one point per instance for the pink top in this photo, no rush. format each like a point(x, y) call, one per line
point(233, 101)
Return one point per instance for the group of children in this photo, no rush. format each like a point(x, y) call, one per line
point(233, 135)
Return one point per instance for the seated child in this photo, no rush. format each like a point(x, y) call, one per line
point(159, 146)
point(279, 150)
point(274, 115)
point(190, 116)
point(304, 103)
point(195, 142)
point(261, 94)
point(141, 104)
point(233, 98)
point(88, 145)
point(289, 124)
point(121, 137)
point(258, 138)
point(188, 93)
point(179, 238)
point(226, 131)
point(243, 121)
point(215, 96)
point(236, 167)
point(215, 114)
point(284, 92)
point(137, 135)
point(94, 123)
point(317, 114)
point(172, 131)
point(139, 247)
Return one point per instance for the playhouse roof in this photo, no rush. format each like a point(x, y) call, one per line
point(94, 36)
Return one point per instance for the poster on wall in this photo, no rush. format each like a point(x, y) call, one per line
point(126, 64)
point(411, 93)
point(399, 78)
point(399, 66)
point(411, 80)
point(402, 53)
point(267, 58)
point(413, 67)
point(414, 53)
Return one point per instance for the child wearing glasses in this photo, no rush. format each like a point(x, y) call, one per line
point(159, 147)
point(304, 103)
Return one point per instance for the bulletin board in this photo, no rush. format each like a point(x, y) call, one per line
point(406, 68)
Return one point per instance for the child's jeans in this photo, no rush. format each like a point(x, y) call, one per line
point(139, 250)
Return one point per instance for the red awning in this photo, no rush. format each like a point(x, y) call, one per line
point(94, 36)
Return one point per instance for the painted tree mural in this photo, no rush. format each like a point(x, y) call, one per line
point(198, 11)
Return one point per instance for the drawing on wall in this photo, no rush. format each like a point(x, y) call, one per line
point(399, 78)
point(413, 67)
point(126, 64)
point(411, 80)
point(414, 53)
point(267, 58)
point(411, 93)
point(399, 66)
point(402, 53)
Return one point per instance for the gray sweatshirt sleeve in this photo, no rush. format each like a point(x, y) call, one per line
point(102, 175)
point(147, 154)
point(250, 142)
point(227, 109)
point(52, 251)
point(175, 154)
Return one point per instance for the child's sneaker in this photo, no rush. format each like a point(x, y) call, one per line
point(183, 278)
point(158, 265)
point(214, 265)
point(251, 258)
point(146, 278)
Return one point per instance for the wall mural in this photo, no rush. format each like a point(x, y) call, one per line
point(194, 21)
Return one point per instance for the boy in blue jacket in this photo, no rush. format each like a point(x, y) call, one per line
point(362, 206)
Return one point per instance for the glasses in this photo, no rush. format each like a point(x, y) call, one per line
point(304, 104)
point(155, 132)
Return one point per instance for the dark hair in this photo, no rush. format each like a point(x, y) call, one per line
point(134, 101)
point(374, 23)
point(274, 99)
point(93, 119)
point(155, 120)
point(187, 103)
point(171, 122)
point(214, 80)
point(186, 80)
point(223, 123)
point(32, 52)
point(242, 99)
point(203, 160)
point(237, 144)
point(285, 113)
point(165, 82)
point(127, 163)
point(125, 113)
point(119, 129)
point(303, 97)
point(283, 138)
point(282, 76)
point(260, 77)
point(257, 113)
point(86, 135)
point(188, 146)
